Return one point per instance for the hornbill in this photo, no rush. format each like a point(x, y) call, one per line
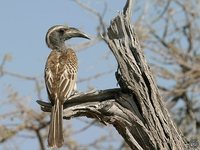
point(60, 76)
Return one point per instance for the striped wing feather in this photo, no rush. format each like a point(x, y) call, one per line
point(61, 74)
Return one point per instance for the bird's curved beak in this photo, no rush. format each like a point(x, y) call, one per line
point(73, 32)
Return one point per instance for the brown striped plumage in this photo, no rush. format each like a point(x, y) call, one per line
point(60, 77)
point(61, 73)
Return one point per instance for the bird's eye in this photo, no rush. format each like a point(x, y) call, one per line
point(62, 31)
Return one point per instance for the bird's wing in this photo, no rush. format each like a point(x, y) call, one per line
point(61, 74)
point(51, 70)
point(67, 73)
point(67, 80)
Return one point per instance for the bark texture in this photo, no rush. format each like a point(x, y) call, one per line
point(136, 109)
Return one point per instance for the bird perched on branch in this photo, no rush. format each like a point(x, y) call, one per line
point(60, 76)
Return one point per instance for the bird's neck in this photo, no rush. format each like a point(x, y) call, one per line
point(61, 46)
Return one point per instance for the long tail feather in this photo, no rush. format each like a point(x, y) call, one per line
point(55, 137)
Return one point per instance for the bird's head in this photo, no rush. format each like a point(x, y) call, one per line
point(56, 35)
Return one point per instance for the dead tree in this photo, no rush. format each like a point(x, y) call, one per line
point(136, 109)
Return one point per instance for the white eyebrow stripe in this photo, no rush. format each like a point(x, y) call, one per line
point(52, 30)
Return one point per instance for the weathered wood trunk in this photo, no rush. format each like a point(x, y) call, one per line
point(136, 109)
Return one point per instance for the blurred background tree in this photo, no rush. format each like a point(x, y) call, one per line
point(168, 31)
